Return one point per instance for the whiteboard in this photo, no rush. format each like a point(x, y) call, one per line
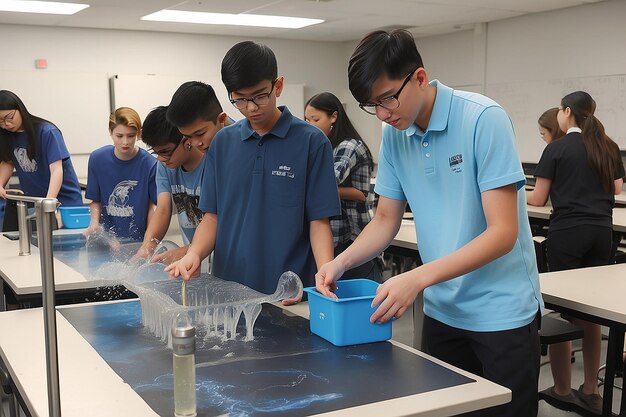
point(77, 103)
point(143, 92)
point(525, 101)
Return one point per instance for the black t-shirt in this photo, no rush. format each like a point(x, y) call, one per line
point(576, 192)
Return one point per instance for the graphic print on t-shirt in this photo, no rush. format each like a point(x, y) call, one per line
point(118, 200)
point(188, 204)
point(21, 156)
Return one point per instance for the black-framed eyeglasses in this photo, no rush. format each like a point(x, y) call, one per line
point(388, 103)
point(259, 99)
point(8, 119)
point(167, 154)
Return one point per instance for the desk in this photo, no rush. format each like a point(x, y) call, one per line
point(598, 295)
point(406, 236)
point(99, 358)
point(22, 274)
point(619, 216)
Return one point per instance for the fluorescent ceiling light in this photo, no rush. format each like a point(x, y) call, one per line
point(46, 7)
point(244, 19)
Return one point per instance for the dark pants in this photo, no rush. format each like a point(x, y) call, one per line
point(509, 358)
point(579, 247)
point(372, 269)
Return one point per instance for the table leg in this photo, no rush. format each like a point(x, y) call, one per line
point(615, 347)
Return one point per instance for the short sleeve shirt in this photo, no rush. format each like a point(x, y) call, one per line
point(124, 190)
point(184, 187)
point(34, 174)
point(576, 191)
point(266, 191)
point(467, 149)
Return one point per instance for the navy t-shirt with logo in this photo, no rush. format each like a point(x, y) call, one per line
point(34, 174)
point(124, 190)
point(265, 191)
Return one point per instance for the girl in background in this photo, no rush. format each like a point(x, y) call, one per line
point(353, 169)
point(580, 173)
point(35, 148)
point(549, 125)
point(121, 180)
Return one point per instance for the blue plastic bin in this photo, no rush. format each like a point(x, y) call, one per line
point(75, 217)
point(346, 321)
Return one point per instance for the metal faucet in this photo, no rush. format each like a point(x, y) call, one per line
point(44, 213)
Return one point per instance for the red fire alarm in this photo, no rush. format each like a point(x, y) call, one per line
point(41, 63)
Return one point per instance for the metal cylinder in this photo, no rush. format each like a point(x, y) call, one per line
point(45, 219)
point(22, 227)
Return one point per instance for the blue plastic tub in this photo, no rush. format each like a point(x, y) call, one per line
point(346, 320)
point(75, 217)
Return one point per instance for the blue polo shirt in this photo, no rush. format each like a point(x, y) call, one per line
point(265, 191)
point(467, 149)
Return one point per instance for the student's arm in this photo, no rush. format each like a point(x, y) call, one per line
point(94, 225)
point(202, 245)
point(56, 179)
point(539, 195)
point(500, 209)
point(618, 186)
point(352, 194)
point(158, 222)
point(374, 238)
point(151, 210)
point(6, 170)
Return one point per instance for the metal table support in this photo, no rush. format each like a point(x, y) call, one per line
point(45, 209)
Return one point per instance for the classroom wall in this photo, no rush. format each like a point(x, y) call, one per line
point(582, 41)
point(314, 64)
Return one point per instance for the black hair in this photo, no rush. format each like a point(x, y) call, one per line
point(602, 153)
point(157, 131)
point(247, 64)
point(30, 124)
point(193, 100)
point(343, 128)
point(381, 53)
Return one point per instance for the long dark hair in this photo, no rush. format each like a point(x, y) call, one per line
point(342, 128)
point(30, 124)
point(602, 153)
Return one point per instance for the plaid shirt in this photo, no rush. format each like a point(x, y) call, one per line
point(352, 169)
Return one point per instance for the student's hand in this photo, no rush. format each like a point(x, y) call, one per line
point(170, 256)
point(59, 221)
point(394, 297)
point(326, 277)
point(93, 228)
point(3, 192)
point(292, 301)
point(186, 266)
point(141, 255)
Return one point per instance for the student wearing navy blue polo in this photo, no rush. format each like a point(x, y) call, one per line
point(269, 185)
point(35, 148)
point(121, 180)
point(450, 154)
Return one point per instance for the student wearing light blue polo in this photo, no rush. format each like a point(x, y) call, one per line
point(269, 185)
point(451, 155)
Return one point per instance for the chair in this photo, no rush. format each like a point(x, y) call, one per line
point(6, 392)
point(555, 330)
